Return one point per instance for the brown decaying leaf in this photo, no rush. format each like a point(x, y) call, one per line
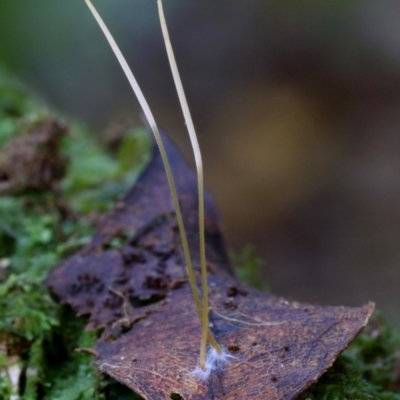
point(137, 291)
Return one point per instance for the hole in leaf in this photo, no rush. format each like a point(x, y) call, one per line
point(233, 348)
point(138, 302)
point(118, 239)
point(176, 396)
point(125, 328)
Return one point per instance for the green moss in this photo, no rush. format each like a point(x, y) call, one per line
point(95, 178)
point(37, 335)
point(248, 266)
point(69, 374)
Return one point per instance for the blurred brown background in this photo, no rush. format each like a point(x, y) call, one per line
point(297, 105)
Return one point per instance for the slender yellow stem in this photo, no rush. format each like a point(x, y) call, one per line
point(154, 128)
point(200, 181)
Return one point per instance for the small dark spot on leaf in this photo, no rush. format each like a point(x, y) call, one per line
point(274, 379)
point(4, 177)
point(155, 282)
point(232, 291)
point(132, 255)
point(121, 278)
point(113, 301)
point(230, 305)
point(89, 303)
point(284, 351)
point(87, 281)
point(164, 256)
point(74, 288)
point(100, 287)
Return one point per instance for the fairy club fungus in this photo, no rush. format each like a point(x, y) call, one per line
point(215, 356)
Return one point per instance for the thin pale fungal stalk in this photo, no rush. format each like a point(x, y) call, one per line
point(154, 128)
point(199, 168)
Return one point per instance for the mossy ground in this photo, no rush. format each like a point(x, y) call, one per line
point(38, 336)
